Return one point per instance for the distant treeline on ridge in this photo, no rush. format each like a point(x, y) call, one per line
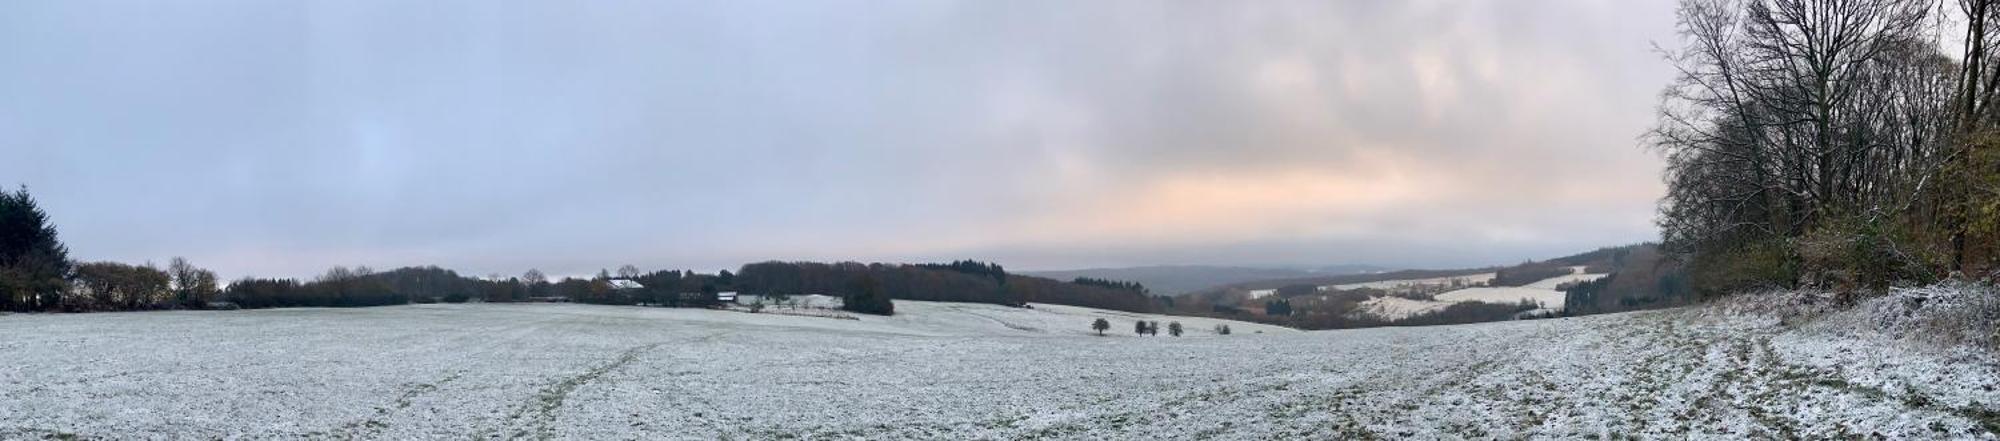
point(37, 275)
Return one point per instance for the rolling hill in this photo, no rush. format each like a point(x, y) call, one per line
point(1173, 280)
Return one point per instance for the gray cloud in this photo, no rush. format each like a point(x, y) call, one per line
point(278, 138)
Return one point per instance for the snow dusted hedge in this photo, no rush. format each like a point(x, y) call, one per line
point(1950, 313)
point(1946, 314)
point(1787, 306)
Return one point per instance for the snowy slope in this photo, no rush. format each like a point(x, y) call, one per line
point(555, 371)
point(1548, 298)
point(1577, 275)
point(1465, 280)
point(1542, 292)
point(977, 319)
point(1398, 308)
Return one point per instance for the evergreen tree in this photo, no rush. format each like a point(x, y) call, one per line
point(1280, 307)
point(34, 265)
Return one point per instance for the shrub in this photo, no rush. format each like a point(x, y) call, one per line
point(1864, 254)
point(1756, 266)
point(1945, 314)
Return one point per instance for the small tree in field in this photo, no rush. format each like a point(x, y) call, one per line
point(1174, 329)
point(1152, 328)
point(1100, 326)
point(1139, 327)
point(865, 296)
point(1222, 329)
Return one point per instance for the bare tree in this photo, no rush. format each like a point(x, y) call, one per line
point(534, 277)
point(1790, 113)
point(192, 286)
point(628, 272)
point(1965, 180)
point(337, 274)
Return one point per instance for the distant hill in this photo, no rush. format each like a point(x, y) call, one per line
point(1610, 279)
point(1171, 280)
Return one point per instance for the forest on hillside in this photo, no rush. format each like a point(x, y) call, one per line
point(1846, 145)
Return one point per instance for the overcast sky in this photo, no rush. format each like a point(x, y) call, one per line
point(277, 138)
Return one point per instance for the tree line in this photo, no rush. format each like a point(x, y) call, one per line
point(36, 274)
point(992, 270)
point(1640, 277)
point(963, 281)
point(1832, 143)
point(1113, 284)
point(1529, 272)
point(1151, 327)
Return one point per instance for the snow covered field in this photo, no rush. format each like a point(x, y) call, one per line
point(1407, 284)
point(960, 371)
point(1556, 282)
point(1543, 292)
point(1549, 298)
point(1398, 308)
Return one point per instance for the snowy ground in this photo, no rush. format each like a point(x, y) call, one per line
point(958, 371)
